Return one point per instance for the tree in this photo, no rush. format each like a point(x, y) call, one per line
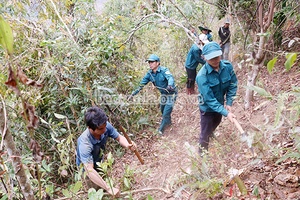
point(264, 17)
point(6, 42)
point(261, 23)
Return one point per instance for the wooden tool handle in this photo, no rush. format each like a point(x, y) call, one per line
point(130, 142)
point(238, 126)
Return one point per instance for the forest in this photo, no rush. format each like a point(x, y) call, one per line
point(58, 58)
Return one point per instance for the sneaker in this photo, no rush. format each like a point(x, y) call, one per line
point(202, 152)
point(163, 127)
point(159, 132)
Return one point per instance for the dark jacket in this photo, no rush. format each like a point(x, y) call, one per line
point(224, 34)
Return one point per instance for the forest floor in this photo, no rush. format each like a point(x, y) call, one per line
point(173, 168)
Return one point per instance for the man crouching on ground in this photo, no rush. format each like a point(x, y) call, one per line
point(91, 145)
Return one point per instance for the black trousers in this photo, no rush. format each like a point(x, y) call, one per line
point(191, 75)
point(209, 122)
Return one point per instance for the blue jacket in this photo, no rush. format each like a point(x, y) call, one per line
point(209, 37)
point(90, 149)
point(194, 57)
point(161, 79)
point(213, 86)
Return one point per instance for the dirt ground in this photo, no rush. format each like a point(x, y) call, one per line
point(174, 170)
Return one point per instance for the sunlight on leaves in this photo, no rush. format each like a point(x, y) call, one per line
point(66, 193)
point(255, 191)
point(271, 64)
point(95, 195)
point(126, 183)
point(59, 116)
point(49, 189)
point(6, 36)
point(149, 197)
point(77, 187)
point(295, 155)
point(240, 184)
point(260, 91)
point(290, 60)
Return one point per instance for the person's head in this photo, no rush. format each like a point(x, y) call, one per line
point(226, 23)
point(204, 30)
point(153, 61)
point(95, 119)
point(203, 39)
point(212, 53)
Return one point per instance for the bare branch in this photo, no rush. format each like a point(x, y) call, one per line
point(68, 30)
point(270, 14)
point(260, 13)
point(30, 27)
point(161, 19)
point(208, 2)
point(180, 12)
point(5, 123)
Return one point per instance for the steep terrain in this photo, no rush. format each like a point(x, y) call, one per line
point(174, 170)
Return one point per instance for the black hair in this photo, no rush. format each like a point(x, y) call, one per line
point(95, 117)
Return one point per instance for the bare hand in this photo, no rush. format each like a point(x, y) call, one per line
point(132, 146)
point(230, 116)
point(228, 108)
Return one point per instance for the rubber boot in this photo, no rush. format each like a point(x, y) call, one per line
point(190, 86)
point(189, 91)
point(193, 89)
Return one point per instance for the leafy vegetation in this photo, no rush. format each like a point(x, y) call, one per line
point(84, 56)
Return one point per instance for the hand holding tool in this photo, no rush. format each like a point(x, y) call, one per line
point(244, 134)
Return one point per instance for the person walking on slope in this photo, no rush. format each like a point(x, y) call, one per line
point(91, 145)
point(163, 80)
point(224, 34)
point(193, 59)
point(217, 85)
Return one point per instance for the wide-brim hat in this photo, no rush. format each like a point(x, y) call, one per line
point(211, 50)
point(204, 28)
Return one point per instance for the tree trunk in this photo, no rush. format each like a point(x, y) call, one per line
point(251, 81)
point(9, 143)
point(264, 19)
point(258, 63)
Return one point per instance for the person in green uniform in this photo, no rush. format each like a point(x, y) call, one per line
point(163, 80)
point(217, 85)
point(193, 59)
